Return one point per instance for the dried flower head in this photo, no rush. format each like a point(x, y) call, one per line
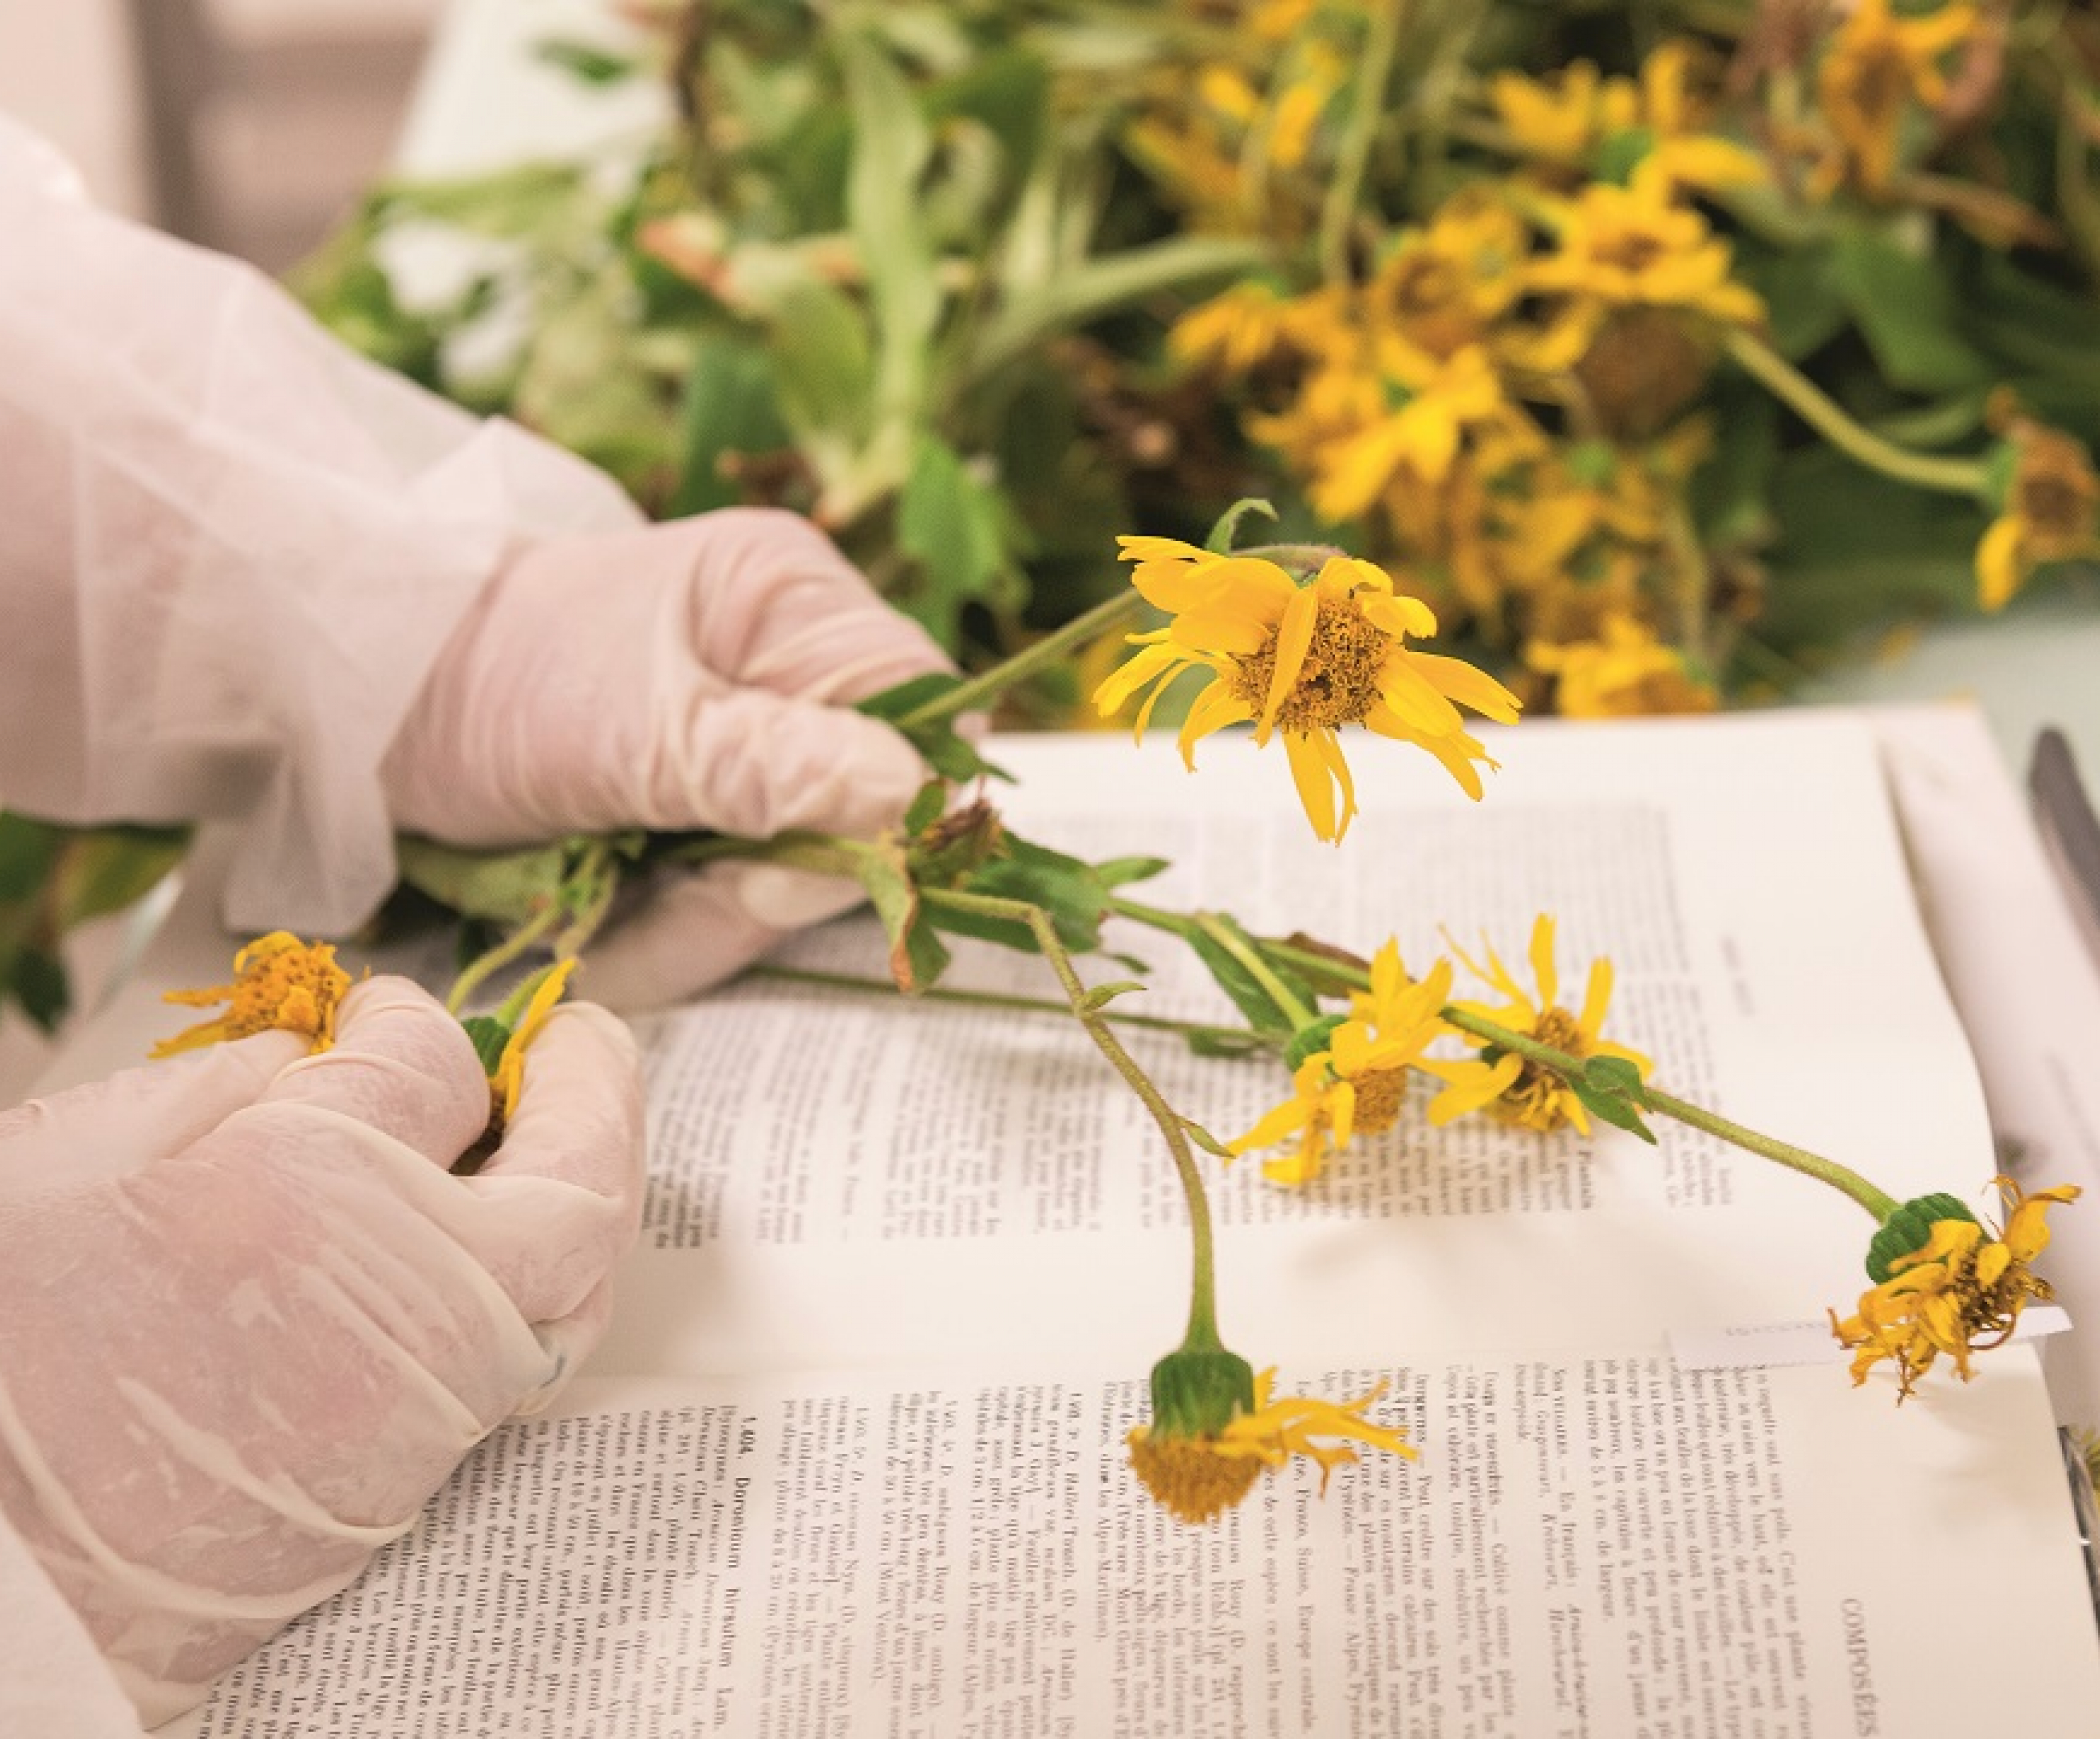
point(280, 984)
point(1959, 1291)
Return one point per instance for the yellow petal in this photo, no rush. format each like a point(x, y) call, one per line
point(1294, 637)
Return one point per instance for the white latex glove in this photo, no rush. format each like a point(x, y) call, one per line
point(682, 675)
point(231, 549)
point(249, 1323)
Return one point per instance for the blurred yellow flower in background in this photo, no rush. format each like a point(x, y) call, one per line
point(1624, 673)
point(1877, 64)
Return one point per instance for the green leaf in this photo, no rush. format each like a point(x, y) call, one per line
point(892, 144)
point(107, 869)
point(1104, 284)
point(1120, 872)
point(1730, 492)
point(489, 1036)
point(1067, 889)
point(1102, 994)
point(1222, 533)
point(1205, 1139)
point(1223, 1045)
point(1612, 1108)
point(586, 61)
point(732, 408)
point(953, 757)
point(1905, 306)
point(928, 806)
point(950, 523)
point(36, 979)
point(1245, 990)
point(1804, 309)
point(506, 887)
point(824, 368)
point(27, 850)
point(916, 956)
point(1616, 1075)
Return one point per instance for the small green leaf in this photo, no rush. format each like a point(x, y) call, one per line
point(1220, 540)
point(37, 978)
point(1102, 994)
point(927, 807)
point(1120, 872)
point(1612, 1108)
point(916, 956)
point(1616, 1075)
point(27, 849)
point(1218, 1044)
point(489, 1036)
point(1205, 1139)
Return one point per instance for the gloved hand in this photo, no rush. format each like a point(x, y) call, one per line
point(691, 675)
point(249, 1323)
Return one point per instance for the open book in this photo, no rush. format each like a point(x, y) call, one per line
point(851, 1459)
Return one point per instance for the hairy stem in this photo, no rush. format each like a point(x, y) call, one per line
point(989, 685)
point(1203, 1292)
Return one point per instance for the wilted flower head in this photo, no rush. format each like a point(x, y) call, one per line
point(280, 984)
point(1198, 1467)
point(1958, 1289)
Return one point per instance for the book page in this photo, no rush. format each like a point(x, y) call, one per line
point(1743, 878)
point(1586, 1549)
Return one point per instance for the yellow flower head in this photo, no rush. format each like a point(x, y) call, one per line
point(506, 1080)
point(1564, 117)
point(1300, 661)
point(1512, 1087)
point(1625, 673)
point(1961, 1292)
point(2051, 511)
point(1878, 64)
point(1196, 1477)
point(1622, 247)
point(280, 984)
point(1358, 1082)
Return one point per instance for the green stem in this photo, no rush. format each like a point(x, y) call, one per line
point(1240, 1035)
point(1792, 388)
point(988, 685)
point(476, 973)
point(1569, 1067)
point(1367, 108)
point(1259, 969)
point(1202, 1291)
point(1840, 1178)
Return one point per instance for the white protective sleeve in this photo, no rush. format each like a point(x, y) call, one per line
point(54, 1681)
point(229, 549)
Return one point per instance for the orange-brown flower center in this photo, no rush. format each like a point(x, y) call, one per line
point(1380, 1094)
point(1188, 1477)
point(1338, 684)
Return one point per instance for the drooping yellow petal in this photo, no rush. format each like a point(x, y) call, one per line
point(1294, 638)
